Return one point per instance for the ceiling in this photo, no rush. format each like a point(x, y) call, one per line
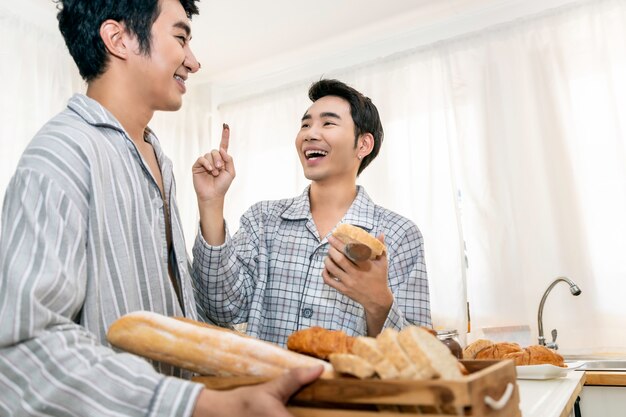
point(247, 41)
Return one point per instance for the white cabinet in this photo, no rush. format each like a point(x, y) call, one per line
point(601, 401)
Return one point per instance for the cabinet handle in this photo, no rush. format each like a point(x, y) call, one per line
point(499, 404)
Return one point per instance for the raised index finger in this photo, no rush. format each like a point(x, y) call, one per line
point(225, 137)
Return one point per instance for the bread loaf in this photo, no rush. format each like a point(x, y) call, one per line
point(441, 359)
point(473, 348)
point(204, 348)
point(367, 348)
point(348, 233)
point(388, 344)
point(498, 350)
point(347, 363)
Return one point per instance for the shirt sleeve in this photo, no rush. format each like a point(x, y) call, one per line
point(409, 282)
point(224, 276)
point(49, 365)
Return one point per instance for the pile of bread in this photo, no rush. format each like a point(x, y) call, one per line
point(412, 353)
point(531, 355)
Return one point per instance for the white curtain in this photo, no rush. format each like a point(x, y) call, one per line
point(540, 110)
point(506, 146)
point(38, 77)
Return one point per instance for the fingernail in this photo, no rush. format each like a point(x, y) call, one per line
point(225, 126)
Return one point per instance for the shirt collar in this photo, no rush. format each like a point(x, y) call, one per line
point(93, 112)
point(361, 212)
point(300, 209)
point(97, 115)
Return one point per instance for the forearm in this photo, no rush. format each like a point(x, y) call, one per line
point(221, 281)
point(212, 221)
point(376, 313)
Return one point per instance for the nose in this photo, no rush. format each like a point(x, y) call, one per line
point(191, 63)
point(311, 133)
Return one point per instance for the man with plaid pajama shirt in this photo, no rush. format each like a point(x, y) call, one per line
point(283, 270)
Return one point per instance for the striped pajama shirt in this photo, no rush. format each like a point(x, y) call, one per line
point(83, 242)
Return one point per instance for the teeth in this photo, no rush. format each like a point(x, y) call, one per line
point(315, 153)
point(179, 78)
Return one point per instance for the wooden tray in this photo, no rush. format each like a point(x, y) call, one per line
point(490, 390)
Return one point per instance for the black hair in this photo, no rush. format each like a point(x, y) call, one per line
point(364, 113)
point(80, 20)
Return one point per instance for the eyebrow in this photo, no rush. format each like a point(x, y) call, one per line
point(184, 26)
point(325, 114)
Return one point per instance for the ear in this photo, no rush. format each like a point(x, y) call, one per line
point(113, 34)
point(365, 144)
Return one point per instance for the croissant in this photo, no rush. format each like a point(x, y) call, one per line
point(536, 355)
point(319, 342)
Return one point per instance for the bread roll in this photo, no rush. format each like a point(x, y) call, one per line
point(348, 233)
point(204, 348)
point(319, 342)
point(414, 339)
point(473, 348)
point(347, 363)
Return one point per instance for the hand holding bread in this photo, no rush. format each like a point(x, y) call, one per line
point(366, 281)
point(356, 239)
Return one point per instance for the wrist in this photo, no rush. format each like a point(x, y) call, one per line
point(380, 306)
point(209, 405)
point(212, 221)
point(214, 203)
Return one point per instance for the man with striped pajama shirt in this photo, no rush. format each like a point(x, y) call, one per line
point(91, 231)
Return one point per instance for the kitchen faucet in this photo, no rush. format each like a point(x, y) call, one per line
point(573, 288)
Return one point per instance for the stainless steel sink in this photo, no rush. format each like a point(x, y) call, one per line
point(604, 365)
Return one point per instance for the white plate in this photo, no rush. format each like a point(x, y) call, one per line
point(545, 371)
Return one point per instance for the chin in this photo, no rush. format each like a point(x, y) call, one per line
point(172, 106)
point(314, 176)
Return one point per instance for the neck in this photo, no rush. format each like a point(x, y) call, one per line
point(333, 197)
point(116, 96)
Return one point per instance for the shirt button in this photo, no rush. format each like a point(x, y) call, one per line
point(307, 313)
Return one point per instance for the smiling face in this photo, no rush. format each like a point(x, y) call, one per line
point(160, 75)
point(325, 142)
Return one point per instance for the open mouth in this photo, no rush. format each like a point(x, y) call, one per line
point(179, 79)
point(315, 154)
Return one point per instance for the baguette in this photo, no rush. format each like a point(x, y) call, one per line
point(348, 233)
point(204, 348)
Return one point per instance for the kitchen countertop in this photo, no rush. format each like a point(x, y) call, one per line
point(606, 378)
point(550, 397)
point(556, 397)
